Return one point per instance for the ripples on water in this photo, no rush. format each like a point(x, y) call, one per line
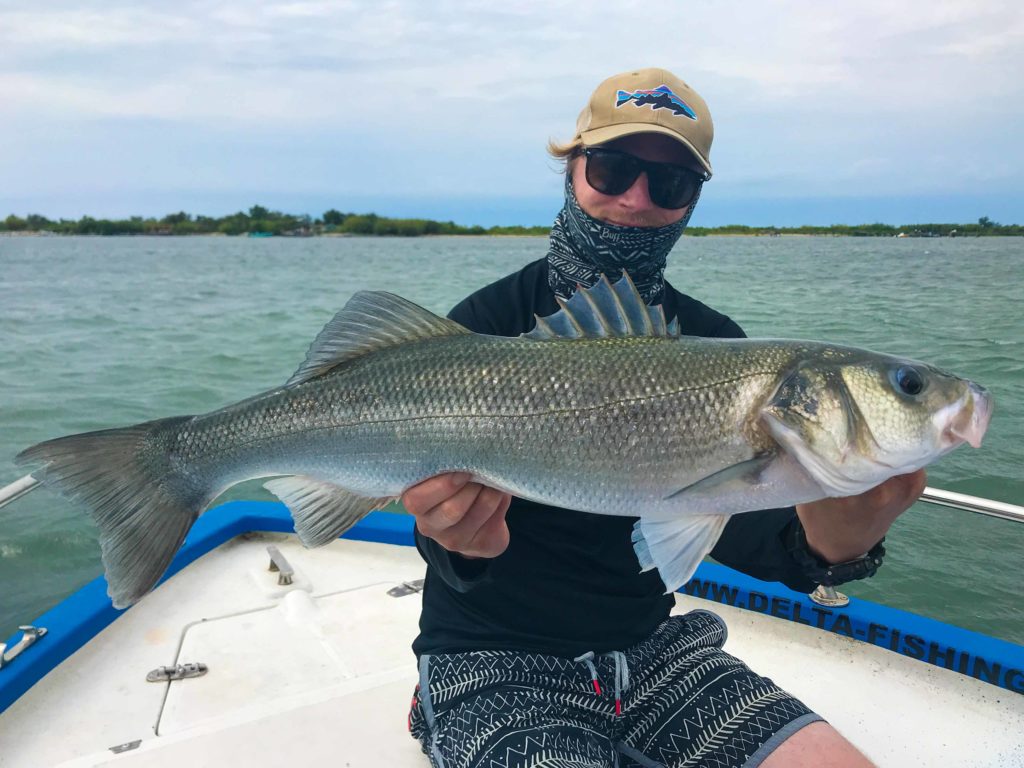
point(101, 332)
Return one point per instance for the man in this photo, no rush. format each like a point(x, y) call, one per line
point(541, 643)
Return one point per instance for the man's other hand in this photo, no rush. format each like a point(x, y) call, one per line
point(842, 529)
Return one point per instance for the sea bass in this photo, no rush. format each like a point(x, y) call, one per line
point(602, 407)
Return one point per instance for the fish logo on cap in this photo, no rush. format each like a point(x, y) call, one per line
point(661, 97)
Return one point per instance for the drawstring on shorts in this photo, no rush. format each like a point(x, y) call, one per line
point(588, 659)
point(621, 674)
point(621, 678)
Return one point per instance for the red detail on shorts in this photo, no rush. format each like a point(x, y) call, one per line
point(412, 706)
point(597, 687)
point(618, 707)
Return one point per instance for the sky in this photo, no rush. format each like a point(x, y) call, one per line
point(824, 112)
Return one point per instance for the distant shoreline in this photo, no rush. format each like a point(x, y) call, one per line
point(45, 234)
point(261, 222)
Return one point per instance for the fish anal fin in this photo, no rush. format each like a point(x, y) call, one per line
point(675, 547)
point(322, 511)
point(371, 320)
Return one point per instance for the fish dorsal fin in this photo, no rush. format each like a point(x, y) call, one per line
point(371, 320)
point(604, 310)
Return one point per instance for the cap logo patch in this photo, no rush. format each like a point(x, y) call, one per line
point(657, 98)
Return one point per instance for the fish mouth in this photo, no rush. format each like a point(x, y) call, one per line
point(971, 421)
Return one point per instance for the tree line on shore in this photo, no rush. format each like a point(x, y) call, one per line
point(262, 221)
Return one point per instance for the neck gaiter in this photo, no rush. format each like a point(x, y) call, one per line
point(583, 248)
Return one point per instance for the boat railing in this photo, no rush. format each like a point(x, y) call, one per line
point(17, 489)
point(1000, 509)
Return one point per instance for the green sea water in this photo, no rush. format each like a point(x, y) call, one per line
point(102, 332)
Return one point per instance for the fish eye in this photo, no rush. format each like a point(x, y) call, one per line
point(908, 380)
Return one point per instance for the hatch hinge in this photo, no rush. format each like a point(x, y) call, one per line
point(128, 746)
point(406, 588)
point(180, 672)
point(29, 636)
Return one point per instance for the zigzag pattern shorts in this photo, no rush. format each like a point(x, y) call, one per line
point(675, 699)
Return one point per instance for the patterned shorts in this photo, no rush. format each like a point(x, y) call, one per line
point(675, 699)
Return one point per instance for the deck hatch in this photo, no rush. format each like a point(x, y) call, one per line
point(303, 649)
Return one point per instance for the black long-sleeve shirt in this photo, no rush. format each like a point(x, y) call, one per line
point(569, 581)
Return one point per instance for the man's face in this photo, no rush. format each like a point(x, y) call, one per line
point(633, 208)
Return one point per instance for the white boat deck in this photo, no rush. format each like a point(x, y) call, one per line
point(321, 671)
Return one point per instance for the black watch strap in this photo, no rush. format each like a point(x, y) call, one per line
point(831, 574)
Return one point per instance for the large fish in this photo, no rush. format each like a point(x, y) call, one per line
point(601, 408)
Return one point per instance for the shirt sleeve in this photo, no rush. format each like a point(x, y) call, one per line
point(755, 543)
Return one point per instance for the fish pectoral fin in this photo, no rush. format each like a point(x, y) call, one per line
point(738, 477)
point(675, 547)
point(322, 511)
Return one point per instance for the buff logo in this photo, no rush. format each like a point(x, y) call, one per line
point(657, 98)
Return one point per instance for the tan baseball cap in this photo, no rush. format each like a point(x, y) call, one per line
point(648, 101)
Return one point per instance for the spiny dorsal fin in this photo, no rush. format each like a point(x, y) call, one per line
point(371, 320)
point(604, 310)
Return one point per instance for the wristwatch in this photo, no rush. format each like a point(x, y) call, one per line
point(831, 574)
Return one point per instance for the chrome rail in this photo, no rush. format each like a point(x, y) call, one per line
point(17, 489)
point(999, 509)
point(981, 506)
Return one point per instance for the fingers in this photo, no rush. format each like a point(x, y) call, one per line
point(463, 517)
point(898, 493)
point(916, 482)
point(424, 496)
point(493, 534)
point(451, 512)
point(491, 538)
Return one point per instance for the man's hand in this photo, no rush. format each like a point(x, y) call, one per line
point(841, 529)
point(463, 517)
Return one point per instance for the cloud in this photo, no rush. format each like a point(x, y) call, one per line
point(461, 96)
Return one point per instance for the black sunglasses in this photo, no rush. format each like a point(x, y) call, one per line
point(671, 186)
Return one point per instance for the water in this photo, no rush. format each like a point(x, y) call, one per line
point(100, 332)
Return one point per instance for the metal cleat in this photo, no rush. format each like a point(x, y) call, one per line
point(278, 564)
point(828, 596)
point(29, 636)
point(406, 588)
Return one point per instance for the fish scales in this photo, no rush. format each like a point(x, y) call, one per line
point(602, 411)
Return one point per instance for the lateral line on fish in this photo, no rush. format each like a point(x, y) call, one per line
point(528, 415)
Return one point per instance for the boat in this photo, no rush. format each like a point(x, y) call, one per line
point(255, 651)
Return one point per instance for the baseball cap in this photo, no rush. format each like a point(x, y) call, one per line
point(648, 101)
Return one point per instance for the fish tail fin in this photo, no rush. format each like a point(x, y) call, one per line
point(141, 503)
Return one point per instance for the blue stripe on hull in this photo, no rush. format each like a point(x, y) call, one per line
point(80, 617)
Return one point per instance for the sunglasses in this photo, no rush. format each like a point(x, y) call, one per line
point(670, 186)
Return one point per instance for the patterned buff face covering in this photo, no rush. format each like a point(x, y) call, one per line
point(583, 248)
